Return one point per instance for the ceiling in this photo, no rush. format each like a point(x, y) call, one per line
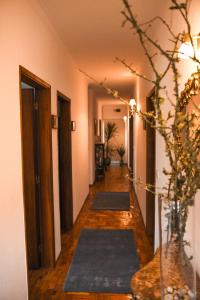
point(93, 33)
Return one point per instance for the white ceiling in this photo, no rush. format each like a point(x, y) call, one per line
point(92, 31)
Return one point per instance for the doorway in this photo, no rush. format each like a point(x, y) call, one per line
point(65, 162)
point(35, 102)
point(150, 171)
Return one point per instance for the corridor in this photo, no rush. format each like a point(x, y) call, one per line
point(48, 284)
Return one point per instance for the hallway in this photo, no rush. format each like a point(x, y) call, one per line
point(48, 284)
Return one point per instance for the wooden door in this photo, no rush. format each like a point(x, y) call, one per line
point(131, 156)
point(31, 194)
point(45, 177)
point(65, 163)
point(150, 173)
point(37, 170)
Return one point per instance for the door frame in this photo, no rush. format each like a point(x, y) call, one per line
point(47, 228)
point(68, 205)
point(150, 174)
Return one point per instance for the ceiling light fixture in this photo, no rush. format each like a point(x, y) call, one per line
point(132, 106)
point(187, 50)
point(125, 118)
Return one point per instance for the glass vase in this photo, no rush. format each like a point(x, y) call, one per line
point(177, 230)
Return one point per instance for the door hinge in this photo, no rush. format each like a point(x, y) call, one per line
point(37, 179)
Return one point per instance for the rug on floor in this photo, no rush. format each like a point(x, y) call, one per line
point(111, 201)
point(104, 262)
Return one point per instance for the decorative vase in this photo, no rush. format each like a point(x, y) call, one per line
point(121, 162)
point(107, 161)
point(177, 228)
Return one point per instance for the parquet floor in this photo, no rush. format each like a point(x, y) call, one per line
point(46, 284)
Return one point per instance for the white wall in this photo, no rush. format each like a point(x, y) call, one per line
point(27, 39)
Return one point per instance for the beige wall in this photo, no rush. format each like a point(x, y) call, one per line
point(141, 91)
point(192, 226)
point(108, 112)
point(27, 39)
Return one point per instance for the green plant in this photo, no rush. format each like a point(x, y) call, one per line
point(121, 151)
point(109, 133)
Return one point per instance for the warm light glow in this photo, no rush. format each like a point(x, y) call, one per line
point(132, 103)
point(127, 74)
point(125, 118)
point(138, 107)
point(186, 51)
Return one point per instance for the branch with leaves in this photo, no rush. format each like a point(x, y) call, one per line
point(179, 127)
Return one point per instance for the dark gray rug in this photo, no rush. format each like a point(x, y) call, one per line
point(104, 261)
point(111, 201)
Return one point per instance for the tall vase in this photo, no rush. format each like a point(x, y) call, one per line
point(177, 229)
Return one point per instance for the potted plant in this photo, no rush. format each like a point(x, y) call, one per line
point(109, 133)
point(121, 151)
point(179, 127)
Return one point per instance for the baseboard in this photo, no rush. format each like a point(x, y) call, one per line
point(80, 211)
point(138, 205)
point(57, 259)
point(137, 202)
point(74, 223)
point(91, 184)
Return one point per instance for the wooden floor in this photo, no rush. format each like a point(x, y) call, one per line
point(48, 283)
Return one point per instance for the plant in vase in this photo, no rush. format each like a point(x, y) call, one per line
point(110, 132)
point(179, 128)
point(121, 151)
point(180, 131)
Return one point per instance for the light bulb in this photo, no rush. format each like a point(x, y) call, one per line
point(186, 51)
point(125, 118)
point(132, 103)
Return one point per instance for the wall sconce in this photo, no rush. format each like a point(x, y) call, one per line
point(54, 122)
point(132, 106)
point(73, 125)
point(186, 49)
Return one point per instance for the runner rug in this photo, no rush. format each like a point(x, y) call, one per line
point(104, 262)
point(111, 201)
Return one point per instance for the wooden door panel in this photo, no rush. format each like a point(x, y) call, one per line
point(131, 156)
point(65, 165)
point(62, 164)
point(29, 178)
point(150, 175)
point(46, 180)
